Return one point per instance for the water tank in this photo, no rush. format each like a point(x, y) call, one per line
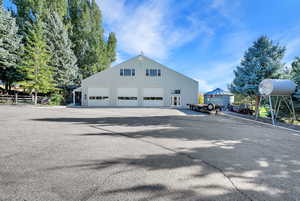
point(273, 87)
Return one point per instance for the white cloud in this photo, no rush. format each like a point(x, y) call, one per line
point(228, 9)
point(148, 26)
point(216, 75)
point(292, 48)
point(119, 58)
point(204, 86)
point(291, 40)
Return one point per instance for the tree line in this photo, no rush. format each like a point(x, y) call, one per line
point(50, 45)
point(261, 61)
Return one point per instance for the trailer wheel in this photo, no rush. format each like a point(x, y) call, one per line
point(210, 107)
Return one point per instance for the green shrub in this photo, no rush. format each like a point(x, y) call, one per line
point(264, 111)
point(56, 99)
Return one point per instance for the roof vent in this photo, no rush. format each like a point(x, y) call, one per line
point(141, 56)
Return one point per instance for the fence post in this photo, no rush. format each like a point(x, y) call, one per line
point(16, 98)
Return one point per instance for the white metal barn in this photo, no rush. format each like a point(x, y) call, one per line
point(138, 82)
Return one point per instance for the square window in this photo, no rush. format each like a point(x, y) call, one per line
point(147, 72)
point(133, 72)
point(121, 72)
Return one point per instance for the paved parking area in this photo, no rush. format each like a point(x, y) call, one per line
point(57, 154)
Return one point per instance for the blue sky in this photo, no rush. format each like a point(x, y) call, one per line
point(203, 39)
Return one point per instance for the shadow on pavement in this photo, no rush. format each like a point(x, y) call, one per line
point(259, 163)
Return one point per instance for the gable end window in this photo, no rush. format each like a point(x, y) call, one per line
point(153, 72)
point(127, 72)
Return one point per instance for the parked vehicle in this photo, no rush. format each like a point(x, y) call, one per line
point(243, 109)
point(208, 108)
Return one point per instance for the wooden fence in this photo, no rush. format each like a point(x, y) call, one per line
point(19, 99)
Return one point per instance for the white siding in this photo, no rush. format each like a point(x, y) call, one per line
point(168, 81)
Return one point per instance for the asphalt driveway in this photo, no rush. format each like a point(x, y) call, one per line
point(58, 154)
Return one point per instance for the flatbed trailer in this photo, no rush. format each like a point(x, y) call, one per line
point(207, 108)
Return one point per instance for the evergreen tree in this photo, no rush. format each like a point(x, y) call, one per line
point(295, 71)
point(111, 47)
point(36, 61)
point(261, 61)
point(58, 6)
point(63, 60)
point(28, 10)
point(10, 43)
point(83, 21)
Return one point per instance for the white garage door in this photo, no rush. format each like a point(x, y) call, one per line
point(153, 97)
point(127, 97)
point(98, 97)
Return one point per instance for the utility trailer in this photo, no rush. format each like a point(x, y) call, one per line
point(207, 108)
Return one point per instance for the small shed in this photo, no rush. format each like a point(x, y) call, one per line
point(219, 97)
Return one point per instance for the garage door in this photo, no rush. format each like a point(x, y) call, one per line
point(153, 97)
point(127, 97)
point(98, 97)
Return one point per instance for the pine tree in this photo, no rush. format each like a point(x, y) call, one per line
point(10, 43)
point(39, 76)
point(261, 61)
point(295, 71)
point(111, 47)
point(63, 60)
point(58, 6)
point(30, 9)
point(83, 20)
